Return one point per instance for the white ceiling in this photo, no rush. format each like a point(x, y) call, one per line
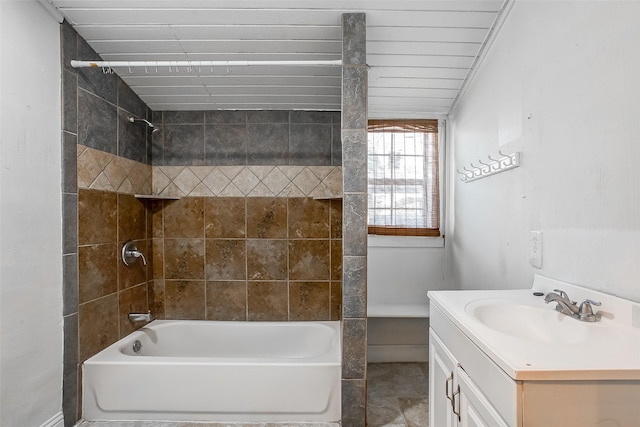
point(419, 51)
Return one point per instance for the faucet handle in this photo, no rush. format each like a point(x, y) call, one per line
point(585, 311)
point(130, 252)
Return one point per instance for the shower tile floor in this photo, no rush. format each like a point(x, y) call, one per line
point(397, 395)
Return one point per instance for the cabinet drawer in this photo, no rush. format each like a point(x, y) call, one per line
point(500, 389)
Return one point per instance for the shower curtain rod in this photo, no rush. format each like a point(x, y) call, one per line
point(191, 64)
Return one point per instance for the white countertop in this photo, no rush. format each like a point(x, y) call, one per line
point(605, 350)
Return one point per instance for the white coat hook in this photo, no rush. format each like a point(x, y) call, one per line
point(486, 167)
point(503, 163)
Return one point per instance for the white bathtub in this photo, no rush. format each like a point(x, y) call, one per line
point(218, 371)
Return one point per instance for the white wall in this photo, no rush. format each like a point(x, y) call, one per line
point(560, 83)
point(30, 217)
point(400, 270)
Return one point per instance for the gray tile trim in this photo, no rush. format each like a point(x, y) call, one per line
point(70, 378)
point(354, 357)
point(353, 403)
point(355, 162)
point(354, 38)
point(69, 162)
point(354, 158)
point(70, 101)
point(70, 284)
point(354, 224)
point(69, 223)
point(354, 287)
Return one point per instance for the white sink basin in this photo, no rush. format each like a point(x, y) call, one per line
point(540, 324)
point(530, 340)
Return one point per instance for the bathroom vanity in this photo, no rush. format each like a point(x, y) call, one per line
point(506, 358)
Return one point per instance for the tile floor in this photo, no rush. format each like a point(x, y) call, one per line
point(397, 395)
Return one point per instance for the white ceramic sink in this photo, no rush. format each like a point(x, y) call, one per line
point(540, 324)
point(530, 340)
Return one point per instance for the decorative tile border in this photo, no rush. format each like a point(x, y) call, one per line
point(99, 170)
point(248, 181)
point(104, 171)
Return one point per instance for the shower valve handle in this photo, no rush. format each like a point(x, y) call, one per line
point(130, 253)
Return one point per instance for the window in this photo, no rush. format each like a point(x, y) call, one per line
point(403, 172)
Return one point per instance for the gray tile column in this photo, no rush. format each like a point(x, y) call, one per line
point(354, 229)
point(71, 368)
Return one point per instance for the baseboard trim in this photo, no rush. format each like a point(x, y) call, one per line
point(397, 353)
point(56, 421)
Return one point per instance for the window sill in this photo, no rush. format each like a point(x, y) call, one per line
point(379, 241)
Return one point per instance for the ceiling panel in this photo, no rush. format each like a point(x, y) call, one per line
point(419, 51)
point(423, 48)
point(218, 47)
point(348, 5)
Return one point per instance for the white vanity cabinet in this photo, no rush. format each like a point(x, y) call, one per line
point(474, 408)
point(594, 382)
point(454, 399)
point(442, 368)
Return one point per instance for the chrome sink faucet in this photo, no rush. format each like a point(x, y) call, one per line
point(564, 305)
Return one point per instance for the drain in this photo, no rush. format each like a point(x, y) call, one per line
point(137, 346)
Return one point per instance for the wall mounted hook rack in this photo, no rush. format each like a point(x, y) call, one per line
point(503, 163)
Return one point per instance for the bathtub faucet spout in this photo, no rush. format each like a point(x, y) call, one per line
point(141, 317)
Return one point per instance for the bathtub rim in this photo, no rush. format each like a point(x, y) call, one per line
point(113, 355)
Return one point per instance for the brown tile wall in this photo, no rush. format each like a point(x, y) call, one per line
point(107, 289)
point(259, 259)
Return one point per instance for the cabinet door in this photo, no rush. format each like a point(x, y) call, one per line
point(442, 368)
point(474, 408)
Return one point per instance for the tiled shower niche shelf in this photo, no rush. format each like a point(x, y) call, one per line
point(155, 197)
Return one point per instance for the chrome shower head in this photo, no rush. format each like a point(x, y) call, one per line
point(151, 126)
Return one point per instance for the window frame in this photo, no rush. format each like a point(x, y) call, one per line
point(418, 232)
